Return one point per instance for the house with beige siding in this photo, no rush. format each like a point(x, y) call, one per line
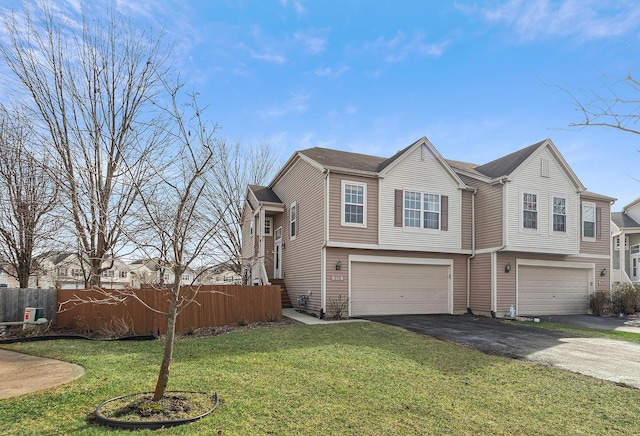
point(625, 244)
point(416, 233)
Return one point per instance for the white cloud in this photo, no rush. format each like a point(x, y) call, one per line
point(401, 46)
point(331, 72)
point(297, 103)
point(583, 19)
point(313, 43)
point(296, 4)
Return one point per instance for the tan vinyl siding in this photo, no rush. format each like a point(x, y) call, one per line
point(335, 288)
point(602, 283)
point(302, 257)
point(340, 233)
point(488, 205)
point(466, 231)
point(247, 216)
point(602, 243)
point(480, 286)
point(505, 283)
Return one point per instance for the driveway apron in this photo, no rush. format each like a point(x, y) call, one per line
point(606, 359)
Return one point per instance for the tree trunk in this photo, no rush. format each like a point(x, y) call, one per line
point(163, 375)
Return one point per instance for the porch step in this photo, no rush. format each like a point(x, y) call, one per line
point(284, 296)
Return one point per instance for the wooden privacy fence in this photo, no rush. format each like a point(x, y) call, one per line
point(13, 301)
point(213, 306)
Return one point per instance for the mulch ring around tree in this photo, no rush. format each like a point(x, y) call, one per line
point(137, 411)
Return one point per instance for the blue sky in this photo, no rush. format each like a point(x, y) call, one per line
point(373, 76)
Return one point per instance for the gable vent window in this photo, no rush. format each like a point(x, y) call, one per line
point(544, 167)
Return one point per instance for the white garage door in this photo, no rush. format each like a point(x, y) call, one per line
point(396, 289)
point(546, 290)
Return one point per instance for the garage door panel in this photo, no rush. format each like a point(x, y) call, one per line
point(393, 289)
point(552, 291)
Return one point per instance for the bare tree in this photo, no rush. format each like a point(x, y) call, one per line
point(175, 215)
point(29, 196)
point(612, 102)
point(239, 167)
point(91, 83)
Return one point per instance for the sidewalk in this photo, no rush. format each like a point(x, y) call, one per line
point(21, 374)
point(308, 319)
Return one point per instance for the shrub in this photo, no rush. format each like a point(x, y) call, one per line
point(600, 303)
point(118, 326)
point(624, 298)
point(337, 307)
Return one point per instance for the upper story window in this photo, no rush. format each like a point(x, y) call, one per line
point(268, 225)
point(354, 204)
point(122, 274)
point(293, 220)
point(186, 277)
point(251, 227)
point(559, 210)
point(108, 273)
point(421, 210)
point(529, 211)
point(589, 221)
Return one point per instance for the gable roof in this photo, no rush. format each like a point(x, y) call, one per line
point(622, 220)
point(507, 164)
point(343, 159)
point(264, 194)
point(324, 158)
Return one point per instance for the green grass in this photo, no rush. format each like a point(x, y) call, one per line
point(611, 334)
point(356, 378)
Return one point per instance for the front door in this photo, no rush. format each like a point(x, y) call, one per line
point(277, 254)
point(635, 262)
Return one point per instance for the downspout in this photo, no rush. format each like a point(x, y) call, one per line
point(473, 248)
point(505, 233)
point(323, 277)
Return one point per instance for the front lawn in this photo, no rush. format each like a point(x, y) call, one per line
point(356, 378)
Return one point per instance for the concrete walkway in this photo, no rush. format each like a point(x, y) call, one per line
point(308, 319)
point(21, 374)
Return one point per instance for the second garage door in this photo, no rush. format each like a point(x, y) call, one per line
point(396, 289)
point(553, 291)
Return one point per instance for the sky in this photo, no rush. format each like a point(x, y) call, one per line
point(479, 79)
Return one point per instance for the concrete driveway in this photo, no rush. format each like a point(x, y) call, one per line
point(606, 359)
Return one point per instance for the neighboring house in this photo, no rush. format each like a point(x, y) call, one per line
point(625, 244)
point(222, 274)
point(416, 233)
point(58, 269)
point(153, 272)
point(7, 278)
point(64, 270)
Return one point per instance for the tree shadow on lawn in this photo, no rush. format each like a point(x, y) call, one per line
point(335, 339)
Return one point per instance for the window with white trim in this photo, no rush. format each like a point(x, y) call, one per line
point(251, 227)
point(293, 220)
point(529, 211)
point(354, 204)
point(588, 220)
point(421, 210)
point(559, 212)
point(268, 225)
